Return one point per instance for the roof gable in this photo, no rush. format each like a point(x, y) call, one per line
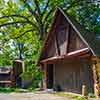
point(88, 37)
point(52, 47)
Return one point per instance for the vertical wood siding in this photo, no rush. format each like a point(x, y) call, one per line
point(72, 75)
point(75, 43)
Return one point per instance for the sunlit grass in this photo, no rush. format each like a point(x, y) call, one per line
point(71, 95)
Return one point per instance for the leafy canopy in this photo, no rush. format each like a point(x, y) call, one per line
point(25, 23)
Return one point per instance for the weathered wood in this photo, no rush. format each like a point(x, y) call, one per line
point(94, 74)
point(6, 76)
point(18, 69)
point(57, 46)
point(84, 91)
point(95, 58)
point(45, 76)
point(6, 82)
point(75, 43)
point(95, 80)
point(69, 40)
point(73, 55)
point(67, 37)
point(50, 74)
point(66, 49)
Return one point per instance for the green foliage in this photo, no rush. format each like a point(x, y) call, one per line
point(81, 98)
point(25, 23)
point(26, 75)
point(91, 95)
point(87, 13)
point(6, 89)
point(33, 73)
point(11, 89)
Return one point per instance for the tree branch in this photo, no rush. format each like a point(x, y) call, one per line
point(29, 8)
point(11, 23)
point(37, 6)
point(73, 4)
point(7, 16)
point(23, 34)
point(47, 24)
point(49, 13)
point(33, 13)
point(14, 16)
point(45, 8)
point(39, 15)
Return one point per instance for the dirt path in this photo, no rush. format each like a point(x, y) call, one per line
point(30, 96)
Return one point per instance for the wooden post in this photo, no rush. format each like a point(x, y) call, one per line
point(84, 91)
point(96, 71)
point(68, 37)
point(45, 76)
point(23, 66)
point(95, 80)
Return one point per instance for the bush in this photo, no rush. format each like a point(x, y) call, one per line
point(91, 95)
point(26, 75)
point(32, 72)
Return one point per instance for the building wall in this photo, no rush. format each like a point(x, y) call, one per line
point(75, 42)
point(70, 76)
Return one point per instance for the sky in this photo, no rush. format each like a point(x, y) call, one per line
point(6, 0)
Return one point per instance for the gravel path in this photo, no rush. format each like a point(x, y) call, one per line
point(30, 96)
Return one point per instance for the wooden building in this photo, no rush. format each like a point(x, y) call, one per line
point(10, 75)
point(66, 57)
point(18, 69)
point(6, 76)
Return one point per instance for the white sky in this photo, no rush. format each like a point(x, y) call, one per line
point(6, 0)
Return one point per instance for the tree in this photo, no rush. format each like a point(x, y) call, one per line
point(87, 13)
point(26, 21)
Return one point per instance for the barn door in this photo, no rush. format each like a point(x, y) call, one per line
point(50, 76)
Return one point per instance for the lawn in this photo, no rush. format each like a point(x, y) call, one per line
point(70, 95)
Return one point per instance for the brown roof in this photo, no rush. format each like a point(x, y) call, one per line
point(89, 38)
point(75, 54)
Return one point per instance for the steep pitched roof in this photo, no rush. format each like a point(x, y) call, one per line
point(88, 38)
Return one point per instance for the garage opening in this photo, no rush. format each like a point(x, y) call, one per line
point(50, 76)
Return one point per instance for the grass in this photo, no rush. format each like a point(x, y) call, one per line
point(63, 94)
point(11, 89)
point(70, 95)
point(16, 89)
point(6, 90)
